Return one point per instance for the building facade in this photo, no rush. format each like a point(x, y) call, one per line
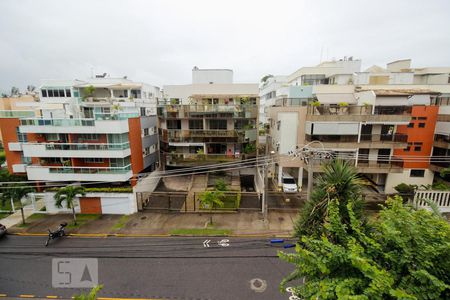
point(211, 120)
point(101, 129)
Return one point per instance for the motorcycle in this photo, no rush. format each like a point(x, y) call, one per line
point(60, 232)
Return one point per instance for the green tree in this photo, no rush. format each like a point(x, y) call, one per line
point(89, 91)
point(403, 254)
point(340, 181)
point(91, 296)
point(68, 194)
point(16, 192)
point(211, 199)
point(220, 185)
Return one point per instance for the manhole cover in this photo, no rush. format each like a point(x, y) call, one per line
point(258, 285)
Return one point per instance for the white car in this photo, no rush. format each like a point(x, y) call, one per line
point(289, 184)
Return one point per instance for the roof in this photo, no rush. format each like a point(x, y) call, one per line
point(376, 69)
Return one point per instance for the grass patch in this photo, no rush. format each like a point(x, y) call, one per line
point(4, 215)
point(121, 223)
point(37, 217)
point(82, 219)
point(201, 232)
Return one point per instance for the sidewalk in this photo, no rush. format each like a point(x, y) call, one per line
point(16, 218)
point(150, 223)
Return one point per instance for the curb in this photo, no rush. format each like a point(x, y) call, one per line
point(123, 235)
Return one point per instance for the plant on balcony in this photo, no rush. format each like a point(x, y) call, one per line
point(343, 108)
point(68, 194)
point(220, 185)
point(250, 148)
point(89, 92)
point(201, 154)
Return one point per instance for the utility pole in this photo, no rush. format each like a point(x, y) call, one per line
point(266, 178)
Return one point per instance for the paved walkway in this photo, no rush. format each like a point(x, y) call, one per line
point(16, 218)
point(240, 223)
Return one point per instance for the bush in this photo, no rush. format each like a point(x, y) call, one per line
point(220, 185)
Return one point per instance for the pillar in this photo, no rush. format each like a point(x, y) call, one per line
point(300, 178)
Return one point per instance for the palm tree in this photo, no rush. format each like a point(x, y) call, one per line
point(68, 194)
point(339, 181)
point(210, 199)
point(16, 192)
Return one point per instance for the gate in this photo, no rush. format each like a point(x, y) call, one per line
point(163, 201)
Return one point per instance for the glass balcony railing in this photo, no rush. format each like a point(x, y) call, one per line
point(326, 110)
point(57, 122)
point(115, 116)
point(90, 170)
point(16, 114)
point(84, 146)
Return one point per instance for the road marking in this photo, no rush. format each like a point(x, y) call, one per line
point(3, 295)
point(52, 297)
point(26, 296)
point(206, 243)
point(224, 243)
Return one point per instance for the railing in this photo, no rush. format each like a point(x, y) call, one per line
point(326, 110)
point(87, 170)
point(396, 137)
point(83, 146)
point(332, 138)
point(115, 116)
point(16, 113)
point(178, 157)
point(293, 101)
point(358, 110)
point(197, 110)
point(56, 122)
point(197, 135)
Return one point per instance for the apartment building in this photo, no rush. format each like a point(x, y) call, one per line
point(211, 120)
point(381, 119)
point(100, 129)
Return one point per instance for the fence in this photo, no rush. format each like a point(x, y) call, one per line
point(441, 198)
point(163, 201)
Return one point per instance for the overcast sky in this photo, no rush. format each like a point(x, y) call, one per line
point(159, 42)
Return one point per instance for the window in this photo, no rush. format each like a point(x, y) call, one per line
point(414, 118)
point(50, 93)
point(421, 125)
point(93, 160)
point(68, 93)
point(52, 137)
point(217, 124)
point(278, 125)
point(88, 137)
point(417, 148)
point(145, 132)
point(195, 124)
point(407, 148)
point(146, 151)
point(21, 137)
point(417, 173)
point(142, 111)
point(173, 124)
point(44, 93)
point(410, 125)
point(422, 118)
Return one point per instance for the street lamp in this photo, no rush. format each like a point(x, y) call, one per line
point(309, 156)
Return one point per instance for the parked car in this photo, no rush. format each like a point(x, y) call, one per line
point(289, 184)
point(2, 230)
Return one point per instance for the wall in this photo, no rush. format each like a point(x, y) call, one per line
point(112, 203)
point(8, 128)
point(393, 179)
point(212, 75)
point(134, 136)
point(416, 134)
point(288, 130)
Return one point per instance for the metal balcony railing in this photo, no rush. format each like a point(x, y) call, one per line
point(84, 146)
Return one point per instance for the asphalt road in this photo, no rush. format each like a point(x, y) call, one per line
point(161, 268)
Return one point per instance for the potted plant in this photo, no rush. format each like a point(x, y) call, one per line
point(343, 108)
point(317, 108)
point(89, 93)
point(367, 108)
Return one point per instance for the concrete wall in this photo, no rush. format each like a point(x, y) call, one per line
point(112, 203)
point(393, 179)
point(288, 130)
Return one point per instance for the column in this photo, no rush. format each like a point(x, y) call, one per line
point(300, 179)
point(280, 173)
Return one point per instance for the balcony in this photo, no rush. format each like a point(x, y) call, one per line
point(358, 113)
point(366, 141)
point(194, 159)
point(79, 150)
point(19, 168)
point(199, 135)
point(40, 125)
point(441, 141)
point(15, 146)
point(109, 174)
point(207, 111)
point(293, 101)
point(16, 114)
point(394, 165)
